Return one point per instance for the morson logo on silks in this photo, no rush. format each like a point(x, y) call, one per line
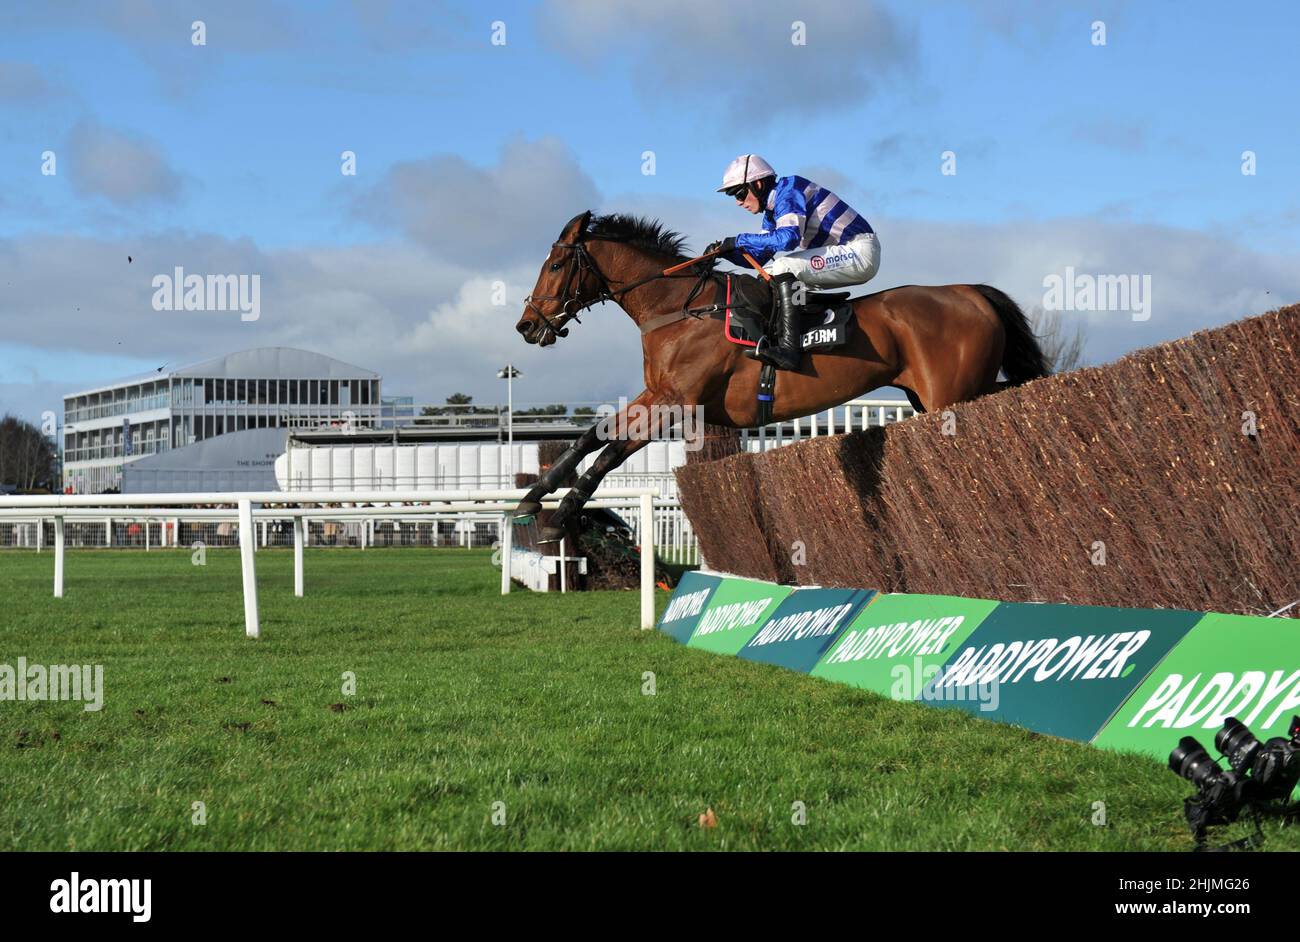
point(804, 626)
point(689, 601)
point(1227, 665)
point(1060, 669)
point(914, 634)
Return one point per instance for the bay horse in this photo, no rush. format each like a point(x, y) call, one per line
point(940, 344)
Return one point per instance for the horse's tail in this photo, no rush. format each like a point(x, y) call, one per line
point(1023, 359)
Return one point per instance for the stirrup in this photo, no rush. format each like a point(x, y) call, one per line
point(776, 355)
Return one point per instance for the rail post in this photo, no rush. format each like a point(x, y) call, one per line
point(58, 556)
point(647, 561)
point(504, 547)
point(247, 546)
point(299, 538)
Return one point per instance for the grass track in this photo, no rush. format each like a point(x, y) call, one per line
point(464, 699)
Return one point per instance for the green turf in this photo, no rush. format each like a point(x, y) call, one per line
point(465, 699)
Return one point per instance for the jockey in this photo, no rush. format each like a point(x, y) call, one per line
point(829, 245)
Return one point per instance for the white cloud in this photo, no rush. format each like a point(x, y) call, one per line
point(23, 82)
point(124, 168)
point(428, 324)
point(483, 216)
point(154, 25)
point(738, 61)
point(1198, 279)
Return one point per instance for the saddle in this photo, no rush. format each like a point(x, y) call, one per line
point(748, 314)
point(824, 317)
point(745, 307)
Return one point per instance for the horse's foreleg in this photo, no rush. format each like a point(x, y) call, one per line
point(615, 454)
point(569, 459)
point(610, 429)
point(629, 431)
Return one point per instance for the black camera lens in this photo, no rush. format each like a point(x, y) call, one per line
point(1238, 743)
point(1276, 770)
point(1192, 762)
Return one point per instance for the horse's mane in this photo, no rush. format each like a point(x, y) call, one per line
point(648, 234)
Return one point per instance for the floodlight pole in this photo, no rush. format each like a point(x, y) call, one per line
point(508, 373)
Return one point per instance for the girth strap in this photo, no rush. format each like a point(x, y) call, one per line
point(766, 394)
point(663, 320)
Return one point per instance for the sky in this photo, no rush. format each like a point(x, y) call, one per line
point(479, 129)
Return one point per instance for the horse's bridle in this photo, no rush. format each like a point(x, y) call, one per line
point(583, 262)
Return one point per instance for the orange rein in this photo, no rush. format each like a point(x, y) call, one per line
point(689, 262)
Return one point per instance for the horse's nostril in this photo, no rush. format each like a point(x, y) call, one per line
point(523, 327)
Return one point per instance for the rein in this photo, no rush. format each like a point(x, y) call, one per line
point(583, 263)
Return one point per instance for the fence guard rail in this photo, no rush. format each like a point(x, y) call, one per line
point(251, 505)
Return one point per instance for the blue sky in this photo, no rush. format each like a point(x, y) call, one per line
point(1117, 158)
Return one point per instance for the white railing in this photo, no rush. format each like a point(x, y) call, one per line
point(139, 449)
point(251, 507)
point(859, 413)
point(216, 528)
point(534, 570)
point(120, 407)
point(854, 415)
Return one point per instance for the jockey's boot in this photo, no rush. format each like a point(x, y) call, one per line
point(785, 355)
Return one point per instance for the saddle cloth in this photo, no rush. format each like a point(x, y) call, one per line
point(824, 317)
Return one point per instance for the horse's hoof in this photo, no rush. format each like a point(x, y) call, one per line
point(551, 535)
point(526, 512)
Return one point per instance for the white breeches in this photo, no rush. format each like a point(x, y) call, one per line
point(832, 266)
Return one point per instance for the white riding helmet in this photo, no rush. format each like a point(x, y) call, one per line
point(745, 169)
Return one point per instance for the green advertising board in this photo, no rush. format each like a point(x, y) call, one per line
point(1128, 679)
point(1227, 665)
point(1057, 669)
point(897, 644)
point(802, 627)
point(690, 599)
point(738, 608)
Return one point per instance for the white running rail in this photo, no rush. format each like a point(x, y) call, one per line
point(298, 506)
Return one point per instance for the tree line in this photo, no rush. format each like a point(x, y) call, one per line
point(460, 404)
point(28, 460)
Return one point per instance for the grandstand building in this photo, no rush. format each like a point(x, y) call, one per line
point(109, 427)
point(280, 418)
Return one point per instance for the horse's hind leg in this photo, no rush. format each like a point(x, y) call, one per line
point(914, 399)
point(970, 370)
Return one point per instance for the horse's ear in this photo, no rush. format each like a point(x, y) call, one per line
point(576, 227)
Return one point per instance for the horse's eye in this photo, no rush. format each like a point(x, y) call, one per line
point(555, 266)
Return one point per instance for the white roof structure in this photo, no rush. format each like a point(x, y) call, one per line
point(257, 363)
point(262, 362)
point(235, 461)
